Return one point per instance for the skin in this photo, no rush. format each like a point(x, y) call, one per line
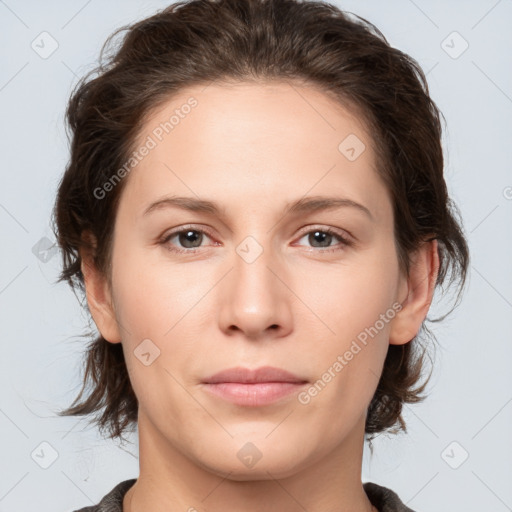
point(252, 148)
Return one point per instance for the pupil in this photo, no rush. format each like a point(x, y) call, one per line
point(324, 237)
point(187, 238)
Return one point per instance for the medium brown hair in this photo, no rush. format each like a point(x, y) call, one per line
point(201, 41)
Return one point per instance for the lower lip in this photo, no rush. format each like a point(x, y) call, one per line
point(254, 395)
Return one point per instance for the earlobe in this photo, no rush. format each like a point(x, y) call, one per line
point(419, 286)
point(98, 294)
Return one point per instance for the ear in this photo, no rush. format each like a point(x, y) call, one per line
point(98, 293)
point(416, 293)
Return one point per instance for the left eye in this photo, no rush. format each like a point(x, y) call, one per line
point(324, 237)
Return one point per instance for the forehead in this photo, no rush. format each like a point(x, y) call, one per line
point(245, 140)
point(274, 113)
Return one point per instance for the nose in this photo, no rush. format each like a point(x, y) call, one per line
point(254, 298)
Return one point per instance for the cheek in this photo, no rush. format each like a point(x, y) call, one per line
point(353, 306)
point(161, 302)
point(153, 296)
point(346, 298)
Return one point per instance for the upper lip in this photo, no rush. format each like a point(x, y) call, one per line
point(248, 376)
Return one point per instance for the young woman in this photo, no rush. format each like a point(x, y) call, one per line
point(255, 209)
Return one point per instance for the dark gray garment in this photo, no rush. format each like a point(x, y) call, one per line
point(384, 499)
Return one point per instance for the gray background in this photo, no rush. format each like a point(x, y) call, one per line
point(469, 410)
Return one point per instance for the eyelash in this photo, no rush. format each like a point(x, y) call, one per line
point(344, 241)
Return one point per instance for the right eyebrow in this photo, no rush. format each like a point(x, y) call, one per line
point(186, 203)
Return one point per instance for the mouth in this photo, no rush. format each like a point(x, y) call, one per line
point(258, 387)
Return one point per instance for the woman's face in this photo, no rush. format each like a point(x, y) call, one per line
point(252, 281)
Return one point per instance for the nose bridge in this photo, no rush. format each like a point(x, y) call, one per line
point(253, 277)
point(256, 300)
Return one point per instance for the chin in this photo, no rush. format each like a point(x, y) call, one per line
point(261, 471)
point(255, 459)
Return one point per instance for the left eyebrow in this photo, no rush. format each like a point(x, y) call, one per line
point(313, 204)
point(309, 204)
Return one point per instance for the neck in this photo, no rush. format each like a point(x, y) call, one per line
point(171, 480)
